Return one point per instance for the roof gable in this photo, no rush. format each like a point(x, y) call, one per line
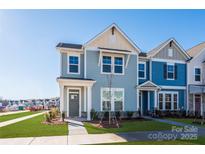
point(113, 37)
point(148, 85)
point(196, 50)
point(179, 52)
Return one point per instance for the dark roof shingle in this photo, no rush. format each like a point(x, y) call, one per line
point(69, 45)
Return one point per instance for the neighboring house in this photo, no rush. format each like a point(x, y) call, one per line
point(162, 77)
point(112, 61)
point(196, 79)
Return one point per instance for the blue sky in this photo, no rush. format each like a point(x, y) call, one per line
point(29, 62)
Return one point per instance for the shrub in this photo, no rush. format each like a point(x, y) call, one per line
point(54, 112)
point(93, 114)
point(63, 116)
point(47, 117)
point(129, 114)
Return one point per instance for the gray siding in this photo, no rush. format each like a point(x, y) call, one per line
point(163, 54)
point(127, 81)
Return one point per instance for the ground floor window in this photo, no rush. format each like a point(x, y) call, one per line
point(168, 100)
point(112, 99)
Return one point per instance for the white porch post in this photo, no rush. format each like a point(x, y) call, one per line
point(89, 102)
point(201, 104)
point(85, 99)
point(148, 100)
point(138, 100)
point(155, 99)
point(61, 98)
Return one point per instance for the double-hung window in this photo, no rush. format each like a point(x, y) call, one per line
point(118, 68)
point(73, 64)
point(142, 72)
point(112, 64)
point(107, 64)
point(170, 71)
point(197, 72)
point(112, 99)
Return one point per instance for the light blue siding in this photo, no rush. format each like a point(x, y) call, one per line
point(127, 81)
point(158, 75)
point(64, 70)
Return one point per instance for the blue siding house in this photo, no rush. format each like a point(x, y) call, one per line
point(110, 72)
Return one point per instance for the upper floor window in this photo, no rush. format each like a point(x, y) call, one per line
point(142, 68)
point(112, 64)
point(197, 74)
point(170, 71)
point(107, 64)
point(118, 65)
point(73, 64)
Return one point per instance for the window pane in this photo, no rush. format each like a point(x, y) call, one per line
point(197, 78)
point(141, 67)
point(168, 101)
point(73, 60)
point(118, 69)
point(197, 71)
point(106, 106)
point(107, 68)
point(74, 68)
point(160, 101)
point(141, 74)
point(170, 75)
point(106, 60)
point(118, 95)
point(118, 105)
point(175, 101)
point(170, 68)
point(106, 95)
point(118, 60)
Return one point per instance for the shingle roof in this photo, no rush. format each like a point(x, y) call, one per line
point(196, 49)
point(70, 45)
point(75, 78)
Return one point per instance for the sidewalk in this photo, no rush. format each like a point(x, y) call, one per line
point(12, 112)
point(9, 122)
point(76, 128)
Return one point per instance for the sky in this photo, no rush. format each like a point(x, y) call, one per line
point(30, 63)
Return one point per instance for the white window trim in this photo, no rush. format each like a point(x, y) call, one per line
point(112, 100)
point(171, 64)
point(68, 63)
point(113, 64)
point(145, 68)
point(200, 74)
point(172, 99)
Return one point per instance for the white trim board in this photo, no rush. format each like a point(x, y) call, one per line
point(168, 60)
point(173, 87)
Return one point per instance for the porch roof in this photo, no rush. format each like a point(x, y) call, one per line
point(196, 89)
point(148, 85)
point(69, 81)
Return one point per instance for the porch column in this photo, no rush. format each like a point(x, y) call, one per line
point(89, 102)
point(138, 100)
point(148, 100)
point(155, 99)
point(85, 99)
point(202, 105)
point(194, 103)
point(61, 98)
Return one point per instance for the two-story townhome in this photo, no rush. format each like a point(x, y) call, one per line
point(196, 80)
point(162, 77)
point(106, 65)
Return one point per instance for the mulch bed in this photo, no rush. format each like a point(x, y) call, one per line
point(105, 123)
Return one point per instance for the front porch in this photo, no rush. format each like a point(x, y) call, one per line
point(148, 97)
point(76, 97)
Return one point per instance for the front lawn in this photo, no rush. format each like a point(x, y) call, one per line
point(16, 115)
point(199, 141)
point(188, 121)
point(33, 128)
point(129, 126)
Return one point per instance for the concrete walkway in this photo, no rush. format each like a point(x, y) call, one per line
point(12, 112)
point(9, 122)
point(76, 128)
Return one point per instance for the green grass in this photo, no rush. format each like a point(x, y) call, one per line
point(130, 126)
point(200, 141)
point(33, 128)
point(14, 116)
point(185, 120)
